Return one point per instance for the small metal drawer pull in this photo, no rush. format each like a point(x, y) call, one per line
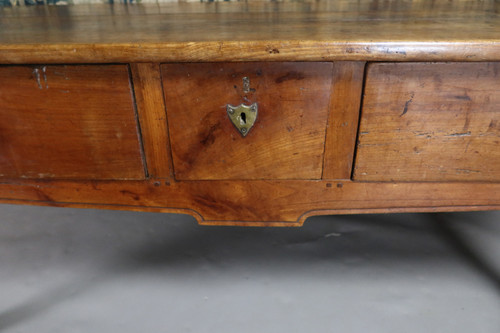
point(243, 116)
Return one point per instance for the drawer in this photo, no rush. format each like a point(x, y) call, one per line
point(287, 138)
point(430, 122)
point(70, 122)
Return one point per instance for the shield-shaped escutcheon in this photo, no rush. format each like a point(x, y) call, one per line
point(243, 116)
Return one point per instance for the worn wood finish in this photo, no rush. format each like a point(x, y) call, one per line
point(428, 137)
point(343, 119)
point(430, 122)
point(287, 140)
point(68, 122)
point(362, 30)
point(153, 119)
point(285, 202)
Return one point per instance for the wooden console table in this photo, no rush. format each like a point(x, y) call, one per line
point(252, 113)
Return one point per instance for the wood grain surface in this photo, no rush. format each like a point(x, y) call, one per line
point(262, 203)
point(287, 140)
point(153, 119)
point(430, 122)
point(68, 122)
point(324, 30)
point(343, 119)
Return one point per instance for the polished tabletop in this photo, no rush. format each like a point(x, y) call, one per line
point(82, 31)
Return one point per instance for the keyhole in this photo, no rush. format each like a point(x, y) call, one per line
point(243, 118)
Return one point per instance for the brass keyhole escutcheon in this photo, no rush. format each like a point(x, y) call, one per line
point(243, 116)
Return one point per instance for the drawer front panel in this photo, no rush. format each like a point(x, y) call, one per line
point(70, 122)
point(430, 122)
point(287, 138)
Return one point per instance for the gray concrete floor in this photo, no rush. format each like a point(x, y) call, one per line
point(69, 270)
